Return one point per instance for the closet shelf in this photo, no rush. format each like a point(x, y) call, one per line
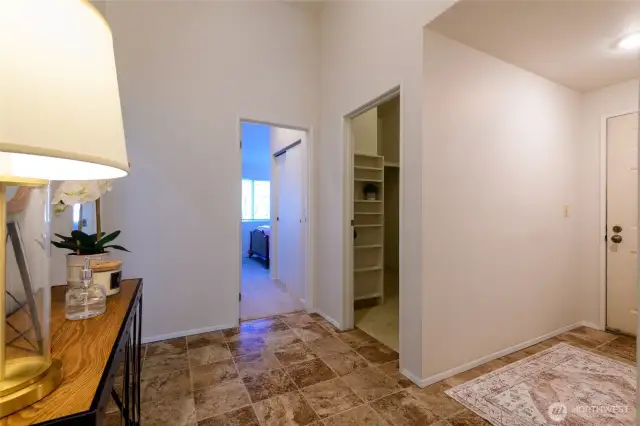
point(368, 201)
point(368, 269)
point(363, 154)
point(369, 213)
point(368, 226)
point(369, 296)
point(391, 164)
point(377, 169)
point(368, 246)
point(368, 180)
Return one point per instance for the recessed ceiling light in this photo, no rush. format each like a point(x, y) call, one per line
point(630, 42)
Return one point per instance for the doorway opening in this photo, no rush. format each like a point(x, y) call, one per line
point(375, 219)
point(620, 197)
point(274, 220)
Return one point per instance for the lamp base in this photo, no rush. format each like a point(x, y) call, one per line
point(37, 387)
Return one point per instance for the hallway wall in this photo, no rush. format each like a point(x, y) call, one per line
point(499, 259)
point(359, 63)
point(186, 79)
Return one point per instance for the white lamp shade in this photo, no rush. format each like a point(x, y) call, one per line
point(60, 116)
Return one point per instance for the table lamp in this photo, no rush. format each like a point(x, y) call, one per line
point(60, 119)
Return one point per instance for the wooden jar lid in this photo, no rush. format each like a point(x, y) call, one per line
point(105, 266)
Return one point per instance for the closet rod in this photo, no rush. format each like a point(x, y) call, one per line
point(286, 148)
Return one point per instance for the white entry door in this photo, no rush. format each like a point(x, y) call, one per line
point(290, 223)
point(622, 222)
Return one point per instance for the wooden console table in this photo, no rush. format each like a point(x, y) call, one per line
point(91, 352)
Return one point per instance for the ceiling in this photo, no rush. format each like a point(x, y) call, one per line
point(570, 42)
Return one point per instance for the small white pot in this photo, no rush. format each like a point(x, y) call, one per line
point(75, 264)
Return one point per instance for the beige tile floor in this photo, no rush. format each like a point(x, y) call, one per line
point(383, 321)
point(298, 369)
point(262, 296)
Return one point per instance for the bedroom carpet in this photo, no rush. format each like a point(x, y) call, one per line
point(563, 384)
point(262, 296)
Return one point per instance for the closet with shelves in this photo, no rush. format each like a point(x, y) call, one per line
point(368, 225)
point(375, 136)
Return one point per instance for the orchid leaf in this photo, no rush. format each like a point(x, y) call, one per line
point(108, 239)
point(117, 248)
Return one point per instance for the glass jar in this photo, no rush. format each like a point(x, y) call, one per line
point(87, 301)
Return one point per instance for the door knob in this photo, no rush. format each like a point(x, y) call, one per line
point(616, 239)
point(617, 229)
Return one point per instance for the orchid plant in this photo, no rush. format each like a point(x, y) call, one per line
point(81, 192)
point(72, 192)
point(83, 244)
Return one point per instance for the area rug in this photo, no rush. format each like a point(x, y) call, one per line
point(561, 385)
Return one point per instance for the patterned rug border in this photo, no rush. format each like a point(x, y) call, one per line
point(452, 391)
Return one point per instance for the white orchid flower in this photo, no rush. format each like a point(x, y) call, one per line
point(79, 192)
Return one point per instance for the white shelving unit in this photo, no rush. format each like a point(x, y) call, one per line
point(368, 224)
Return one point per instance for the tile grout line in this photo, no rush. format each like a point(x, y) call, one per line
point(226, 342)
point(369, 365)
point(283, 369)
point(167, 373)
point(193, 397)
point(366, 404)
point(251, 403)
point(296, 385)
point(337, 377)
point(246, 391)
point(605, 343)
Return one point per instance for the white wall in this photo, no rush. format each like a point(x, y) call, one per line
point(368, 48)
point(596, 105)
point(364, 131)
point(188, 71)
point(499, 258)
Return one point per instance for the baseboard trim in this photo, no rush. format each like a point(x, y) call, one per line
point(184, 333)
point(151, 339)
point(468, 366)
point(591, 325)
point(328, 318)
point(409, 375)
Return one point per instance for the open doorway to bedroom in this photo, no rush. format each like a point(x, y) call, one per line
point(273, 225)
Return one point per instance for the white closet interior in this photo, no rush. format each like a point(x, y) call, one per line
point(375, 135)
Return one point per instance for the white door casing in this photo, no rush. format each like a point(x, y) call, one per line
point(290, 241)
point(622, 212)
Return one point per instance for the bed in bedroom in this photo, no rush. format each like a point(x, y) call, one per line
point(259, 243)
